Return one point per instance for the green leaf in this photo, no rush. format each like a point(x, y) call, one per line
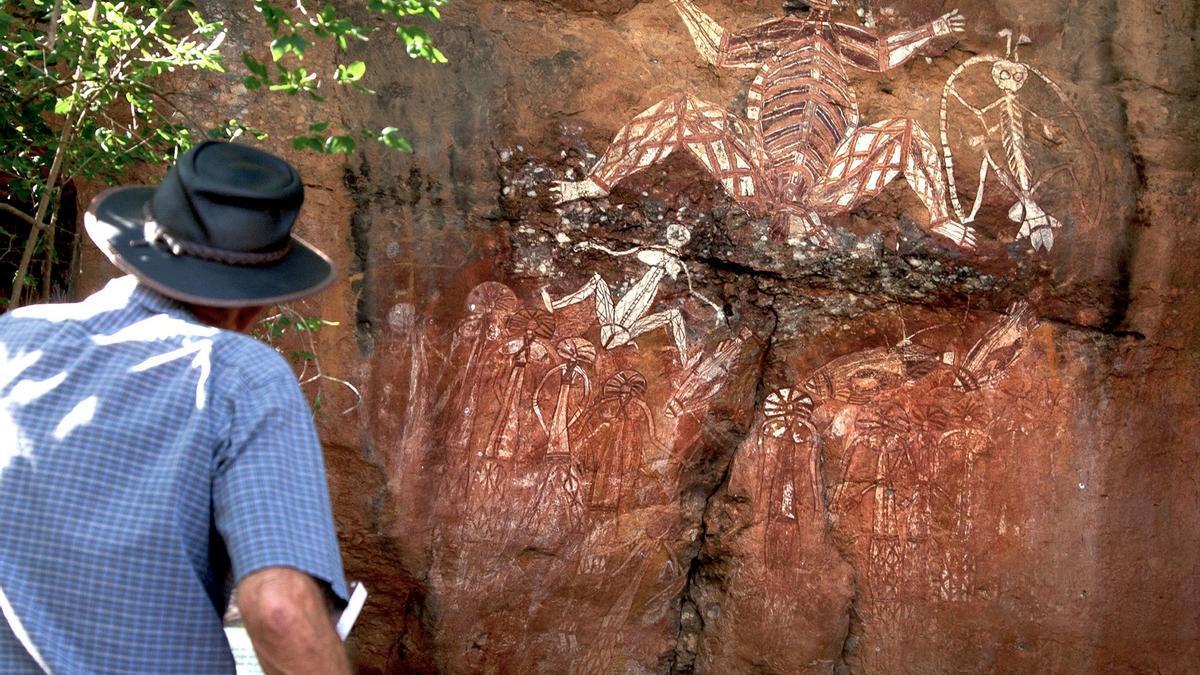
point(419, 44)
point(351, 73)
point(255, 66)
point(64, 105)
point(274, 17)
point(313, 143)
point(252, 82)
point(318, 127)
point(342, 144)
point(390, 137)
point(285, 44)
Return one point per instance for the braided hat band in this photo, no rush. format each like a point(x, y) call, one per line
point(155, 234)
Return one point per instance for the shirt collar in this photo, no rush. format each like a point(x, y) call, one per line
point(148, 299)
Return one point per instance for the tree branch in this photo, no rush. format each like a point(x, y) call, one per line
point(55, 17)
point(19, 214)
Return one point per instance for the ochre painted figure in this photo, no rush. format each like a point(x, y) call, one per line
point(1010, 119)
point(619, 427)
point(530, 329)
point(630, 316)
point(800, 152)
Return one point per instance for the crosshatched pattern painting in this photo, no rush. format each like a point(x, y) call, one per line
point(800, 150)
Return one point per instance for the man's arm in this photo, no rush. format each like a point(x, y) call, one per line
point(288, 620)
point(271, 507)
point(593, 246)
point(871, 52)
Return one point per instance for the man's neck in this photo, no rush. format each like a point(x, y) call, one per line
point(237, 319)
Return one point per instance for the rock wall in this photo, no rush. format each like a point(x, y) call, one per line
point(754, 402)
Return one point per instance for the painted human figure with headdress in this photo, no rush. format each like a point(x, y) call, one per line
point(557, 507)
point(619, 428)
point(511, 429)
point(475, 359)
point(789, 491)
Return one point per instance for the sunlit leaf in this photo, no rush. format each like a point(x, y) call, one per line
point(390, 137)
point(340, 144)
point(289, 44)
point(351, 72)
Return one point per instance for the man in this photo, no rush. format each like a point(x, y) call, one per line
point(152, 456)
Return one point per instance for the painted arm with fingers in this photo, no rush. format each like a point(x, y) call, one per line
point(869, 51)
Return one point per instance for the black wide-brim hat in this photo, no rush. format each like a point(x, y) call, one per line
point(215, 232)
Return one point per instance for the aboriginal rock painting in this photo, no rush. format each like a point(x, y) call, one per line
point(884, 451)
point(1007, 123)
point(631, 316)
point(566, 420)
point(800, 151)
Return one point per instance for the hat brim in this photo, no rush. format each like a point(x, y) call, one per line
point(116, 219)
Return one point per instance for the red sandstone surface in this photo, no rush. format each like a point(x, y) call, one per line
point(885, 455)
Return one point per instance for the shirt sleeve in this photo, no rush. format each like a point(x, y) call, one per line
point(270, 497)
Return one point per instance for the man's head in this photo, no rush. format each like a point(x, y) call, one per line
point(215, 233)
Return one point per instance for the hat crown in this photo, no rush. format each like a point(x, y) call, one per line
point(230, 197)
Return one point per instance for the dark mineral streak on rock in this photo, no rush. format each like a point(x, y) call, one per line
point(360, 226)
point(702, 564)
point(1128, 237)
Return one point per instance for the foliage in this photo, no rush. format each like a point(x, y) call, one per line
point(82, 81)
point(293, 335)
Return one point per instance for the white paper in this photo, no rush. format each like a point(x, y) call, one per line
point(243, 649)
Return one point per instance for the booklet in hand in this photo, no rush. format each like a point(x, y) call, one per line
point(243, 650)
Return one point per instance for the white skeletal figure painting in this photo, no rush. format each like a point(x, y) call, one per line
point(800, 152)
point(630, 316)
point(1011, 121)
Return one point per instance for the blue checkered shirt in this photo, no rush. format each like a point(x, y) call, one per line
point(147, 463)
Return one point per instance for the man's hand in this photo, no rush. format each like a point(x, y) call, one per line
point(950, 22)
point(289, 623)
